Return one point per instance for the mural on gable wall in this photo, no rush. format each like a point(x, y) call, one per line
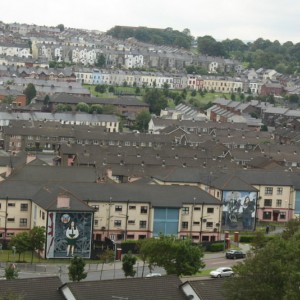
point(239, 210)
point(69, 234)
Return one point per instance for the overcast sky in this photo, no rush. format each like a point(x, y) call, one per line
point(243, 19)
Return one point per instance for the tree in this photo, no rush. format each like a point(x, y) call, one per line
point(137, 90)
point(109, 109)
point(111, 89)
point(21, 242)
point(101, 61)
point(30, 92)
point(76, 269)
point(142, 120)
point(8, 99)
point(176, 256)
point(272, 273)
point(36, 239)
point(83, 107)
point(100, 88)
point(96, 108)
point(128, 262)
point(11, 272)
point(46, 100)
point(156, 100)
point(61, 27)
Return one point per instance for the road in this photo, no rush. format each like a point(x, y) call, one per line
point(111, 271)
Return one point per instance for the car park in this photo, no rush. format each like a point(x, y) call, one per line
point(222, 272)
point(233, 254)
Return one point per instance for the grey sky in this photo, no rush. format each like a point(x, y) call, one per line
point(242, 19)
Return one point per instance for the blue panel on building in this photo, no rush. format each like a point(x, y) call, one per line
point(165, 221)
point(297, 203)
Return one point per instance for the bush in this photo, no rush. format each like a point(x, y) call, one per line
point(246, 239)
point(130, 246)
point(216, 247)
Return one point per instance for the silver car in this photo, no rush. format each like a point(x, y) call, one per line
point(222, 272)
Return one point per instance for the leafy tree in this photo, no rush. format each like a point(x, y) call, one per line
point(63, 107)
point(137, 90)
point(36, 239)
point(272, 273)
point(142, 120)
point(11, 272)
point(111, 89)
point(264, 128)
point(156, 100)
point(101, 61)
point(128, 262)
point(193, 93)
point(294, 98)
point(176, 256)
point(30, 92)
point(83, 107)
point(100, 88)
point(21, 242)
point(46, 100)
point(61, 27)
point(125, 84)
point(96, 108)
point(76, 269)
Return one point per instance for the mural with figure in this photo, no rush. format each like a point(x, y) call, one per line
point(239, 210)
point(69, 234)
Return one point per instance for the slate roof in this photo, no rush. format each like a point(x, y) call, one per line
point(45, 288)
point(158, 195)
point(163, 287)
point(208, 289)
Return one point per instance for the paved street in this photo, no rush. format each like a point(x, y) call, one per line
point(111, 271)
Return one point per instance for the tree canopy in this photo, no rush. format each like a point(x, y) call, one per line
point(272, 271)
point(30, 92)
point(76, 269)
point(155, 36)
point(156, 99)
point(176, 256)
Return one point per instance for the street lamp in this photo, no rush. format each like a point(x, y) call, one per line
point(115, 254)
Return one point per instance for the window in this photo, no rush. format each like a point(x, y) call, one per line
point(23, 222)
point(118, 208)
point(143, 224)
point(282, 215)
point(210, 210)
point(132, 207)
point(267, 215)
point(197, 208)
point(279, 190)
point(142, 236)
point(24, 207)
point(10, 234)
point(95, 207)
point(268, 190)
point(131, 222)
point(130, 236)
point(11, 204)
point(268, 202)
point(144, 209)
point(185, 225)
point(185, 210)
point(205, 238)
point(117, 223)
point(278, 203)
point(10, 219)
point(209, 224)
point(43, 215)
point(196, 223)
point(96, 222)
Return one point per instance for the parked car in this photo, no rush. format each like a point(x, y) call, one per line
point(233, 254)
point(222, 272)
point(153, 275)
